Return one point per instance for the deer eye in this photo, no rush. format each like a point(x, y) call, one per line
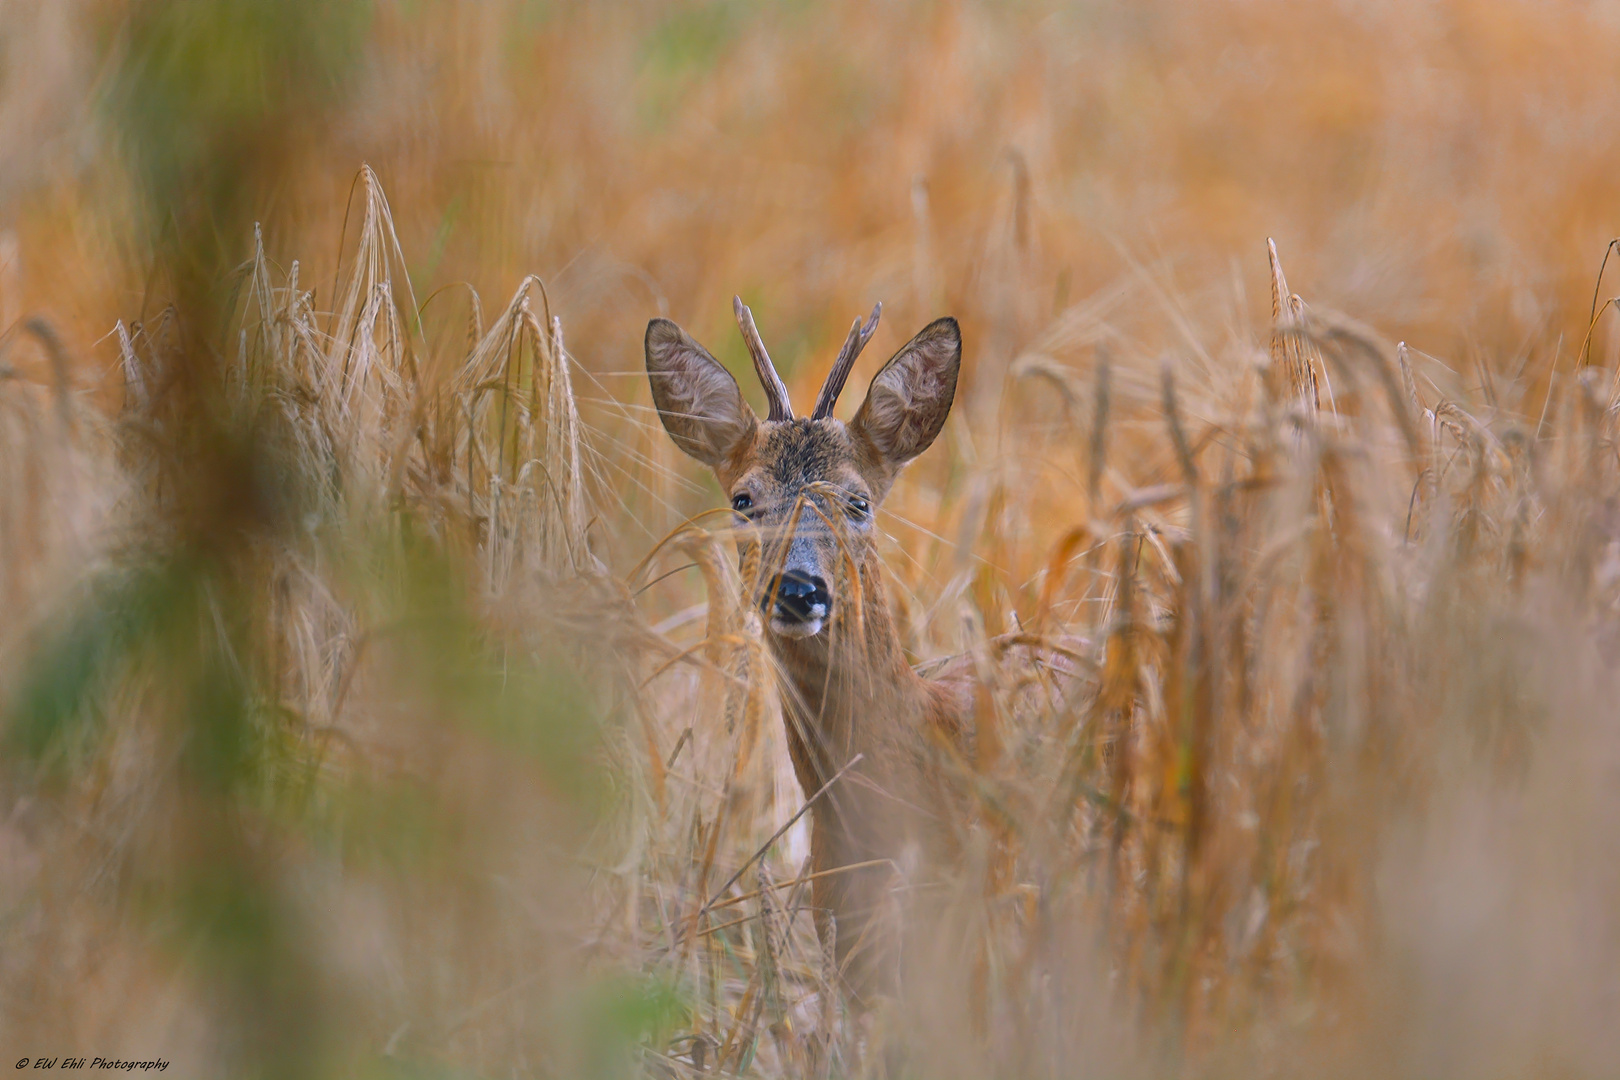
point(858, 506)
point(742, 502)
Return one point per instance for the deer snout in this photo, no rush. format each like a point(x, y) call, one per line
point(800, 598)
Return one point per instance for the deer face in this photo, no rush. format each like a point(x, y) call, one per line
point(805, 489)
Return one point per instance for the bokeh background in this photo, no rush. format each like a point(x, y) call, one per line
point(375, 705)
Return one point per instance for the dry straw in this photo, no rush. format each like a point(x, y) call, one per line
point(1273, 651)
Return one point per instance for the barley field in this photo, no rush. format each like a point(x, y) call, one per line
point(379, 692)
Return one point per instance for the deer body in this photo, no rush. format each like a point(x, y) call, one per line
point(806, 489)
point(896, 721)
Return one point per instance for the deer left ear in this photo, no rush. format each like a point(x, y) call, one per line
point(907, 404)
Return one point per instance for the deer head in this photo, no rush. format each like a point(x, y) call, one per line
point(805, 489)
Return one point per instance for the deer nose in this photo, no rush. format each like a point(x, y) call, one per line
point(801, 597)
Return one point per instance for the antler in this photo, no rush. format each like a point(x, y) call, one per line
point(859, 335)
point(775, 390)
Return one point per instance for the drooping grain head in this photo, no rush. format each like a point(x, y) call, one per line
point(805, 489)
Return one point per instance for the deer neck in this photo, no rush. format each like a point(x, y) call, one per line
point(849, 690)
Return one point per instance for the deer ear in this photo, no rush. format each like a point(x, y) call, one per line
point(906, 406)
point(698, 400)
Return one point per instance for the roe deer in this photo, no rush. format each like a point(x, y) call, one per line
point(807, 489)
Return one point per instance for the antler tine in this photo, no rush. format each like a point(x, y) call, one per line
point(775, 389)
point(859, 335)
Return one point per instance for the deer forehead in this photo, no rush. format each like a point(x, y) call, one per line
point(789, 456)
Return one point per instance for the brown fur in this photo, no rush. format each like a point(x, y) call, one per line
point(847, 690)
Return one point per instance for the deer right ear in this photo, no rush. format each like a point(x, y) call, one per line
point(701, 406)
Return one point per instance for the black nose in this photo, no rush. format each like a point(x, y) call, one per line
point(801, 597)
